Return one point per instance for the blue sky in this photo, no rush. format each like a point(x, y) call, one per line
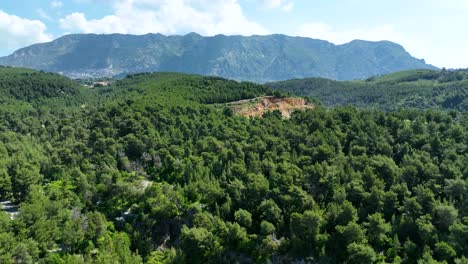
point(431, 29)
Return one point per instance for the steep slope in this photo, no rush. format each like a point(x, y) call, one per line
point(255, 58)
point(422, 89)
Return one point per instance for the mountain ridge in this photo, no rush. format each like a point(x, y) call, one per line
point(254, 58)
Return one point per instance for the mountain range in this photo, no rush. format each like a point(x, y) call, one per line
point(255, 58)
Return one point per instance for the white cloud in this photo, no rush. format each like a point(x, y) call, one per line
point(43, 14)
point(449, 4)
point(272, 3)
point(18, 32)
point(56, 4)
point(320, 30)
point(207, 17)
point(286, 5)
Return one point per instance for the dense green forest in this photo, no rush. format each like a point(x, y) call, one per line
point(420, 89)
point(156, 169)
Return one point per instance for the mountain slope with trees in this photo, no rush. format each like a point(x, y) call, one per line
point(157, 169)
point(255, 58)
point(421, 89)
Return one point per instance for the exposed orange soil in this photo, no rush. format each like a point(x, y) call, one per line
point(259, 106)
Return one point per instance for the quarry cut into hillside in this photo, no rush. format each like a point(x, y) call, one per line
point(256, 107)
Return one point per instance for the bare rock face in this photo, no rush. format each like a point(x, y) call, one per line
point(258, 106)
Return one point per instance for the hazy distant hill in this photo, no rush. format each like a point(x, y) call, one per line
point(255, 58)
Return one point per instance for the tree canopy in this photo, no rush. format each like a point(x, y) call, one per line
point(153, 170)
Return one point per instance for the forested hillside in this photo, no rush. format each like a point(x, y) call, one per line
point(156, 168)
point(24, 88)
point(421, 89)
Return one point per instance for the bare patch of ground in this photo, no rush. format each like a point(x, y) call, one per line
point(259, 106)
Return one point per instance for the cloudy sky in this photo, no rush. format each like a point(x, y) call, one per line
point(431, 29)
